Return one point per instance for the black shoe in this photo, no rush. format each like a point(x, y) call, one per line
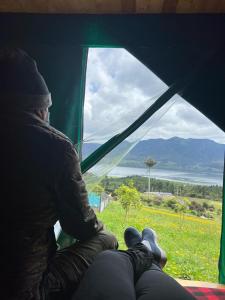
point(132, 237)
point(149, 239)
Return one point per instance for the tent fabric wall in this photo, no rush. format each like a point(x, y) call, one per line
point(176, 43)
point(64, 69)
point(168, 45)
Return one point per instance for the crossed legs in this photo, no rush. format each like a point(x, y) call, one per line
point(111, 276)
point(130, 275)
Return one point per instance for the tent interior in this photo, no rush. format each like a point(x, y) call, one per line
point(183, 45)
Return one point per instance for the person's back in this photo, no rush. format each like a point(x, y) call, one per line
point(40, 184)
point(29, 166)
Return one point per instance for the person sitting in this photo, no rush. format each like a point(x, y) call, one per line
point(132, 274)
point(41, 183)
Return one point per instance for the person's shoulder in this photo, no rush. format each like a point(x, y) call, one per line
point(64, 148)
point(59, 138)
point(51, 137)
point(58, 135)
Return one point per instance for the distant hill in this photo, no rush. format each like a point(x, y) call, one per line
point(201, 155)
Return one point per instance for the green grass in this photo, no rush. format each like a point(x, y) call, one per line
point(191, 244)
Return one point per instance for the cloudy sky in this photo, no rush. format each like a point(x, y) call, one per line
point(119, 88)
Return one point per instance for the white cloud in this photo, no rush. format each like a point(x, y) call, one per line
point(119, 88)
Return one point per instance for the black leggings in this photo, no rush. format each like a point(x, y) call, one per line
point(111, 277)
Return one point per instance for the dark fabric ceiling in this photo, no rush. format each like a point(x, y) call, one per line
point(170, 45)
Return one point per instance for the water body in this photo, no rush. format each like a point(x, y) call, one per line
point(185, 177)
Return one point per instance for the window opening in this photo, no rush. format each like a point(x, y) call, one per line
point(184, 203)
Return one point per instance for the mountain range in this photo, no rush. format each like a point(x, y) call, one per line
point(201, 155)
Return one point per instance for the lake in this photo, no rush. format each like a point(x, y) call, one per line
point(186, 177)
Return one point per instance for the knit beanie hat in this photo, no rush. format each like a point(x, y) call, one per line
point(21, 85)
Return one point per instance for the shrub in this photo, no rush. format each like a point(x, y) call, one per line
point(157, 202)
point(208, 215)
point(211, 208)
point(193, 212)
point(205, 205)
point(146, 200)
point(196, 206)
point(171, 203)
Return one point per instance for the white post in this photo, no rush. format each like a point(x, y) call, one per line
point(149, 183)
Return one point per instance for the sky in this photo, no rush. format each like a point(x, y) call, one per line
point(119, 88)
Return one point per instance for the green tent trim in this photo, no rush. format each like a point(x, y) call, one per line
point(222, 240)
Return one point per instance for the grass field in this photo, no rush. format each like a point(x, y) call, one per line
point(191, 243)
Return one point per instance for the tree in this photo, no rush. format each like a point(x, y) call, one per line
point(128, 197)
point(182, 206)
point(149, 163)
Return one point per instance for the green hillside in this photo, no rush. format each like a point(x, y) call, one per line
point(192, 245)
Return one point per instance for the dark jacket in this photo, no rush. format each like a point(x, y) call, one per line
point(41, 183)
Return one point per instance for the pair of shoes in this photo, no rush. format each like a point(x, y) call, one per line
point(132, 237)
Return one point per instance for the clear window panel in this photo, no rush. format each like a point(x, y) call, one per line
point(119, 89)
